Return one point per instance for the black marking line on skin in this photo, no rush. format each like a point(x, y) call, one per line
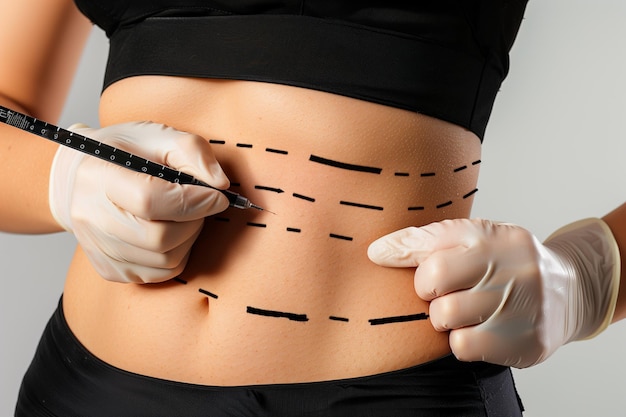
point(460, 168)
point(398, 319)
point(401, 174)
point(272, 189)
point(278, 151)
point(343, 165)
point(294, 230)
point(277, 314)
point(474, 191)
point(221, 219)
point(256, 224)
point(244, 145)
point(335, 318)
point(304, 197)
point(207, 293)
point(180, 280)
point(340, 237)
point(235, 184)
point(217, 142)
point(476, 162)
point(442, 205)
point(359, 205)
point(416, 208)
point(427, 174)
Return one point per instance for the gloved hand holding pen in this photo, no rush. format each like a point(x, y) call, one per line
point(505, 297)
point(134, 227)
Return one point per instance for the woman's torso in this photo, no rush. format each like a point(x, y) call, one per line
point(339, 173)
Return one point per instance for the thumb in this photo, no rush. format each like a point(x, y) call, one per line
point(403, 248)
point(411, 246)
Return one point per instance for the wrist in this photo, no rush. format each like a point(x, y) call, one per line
point(592, 255)
point(62, 176)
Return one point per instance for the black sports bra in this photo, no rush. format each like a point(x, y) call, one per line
point(442, 58)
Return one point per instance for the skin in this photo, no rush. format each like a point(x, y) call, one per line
point(174, 331)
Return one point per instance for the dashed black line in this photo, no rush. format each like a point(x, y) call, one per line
point(341, 237)
point(294, 230)
point(398, 319)
point(245, 145)
point(278, 151)
point(277, 314)
point(401, 174)
point(359, 205)
point(476, 162)
point(342, 319)
point(416, 208)
point(217, 142)
point(179, 280)
point(344, 165)
point(261, 225)
point(304, 197)
point(266, 188)
point(427, 174)
point(446, 204)
point(208, 293)
point(474, 191)
point(461, 168)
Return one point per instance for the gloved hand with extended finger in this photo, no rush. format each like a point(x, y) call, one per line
point(134, 227)
point(505, 297)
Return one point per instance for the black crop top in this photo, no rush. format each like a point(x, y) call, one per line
point(442, 58)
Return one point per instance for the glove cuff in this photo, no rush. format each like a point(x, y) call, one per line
point(591, 246)
point(62, 174)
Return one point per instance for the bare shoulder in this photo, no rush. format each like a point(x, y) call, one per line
point(42, 41)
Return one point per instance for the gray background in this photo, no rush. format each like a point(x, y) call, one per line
point(554, 152)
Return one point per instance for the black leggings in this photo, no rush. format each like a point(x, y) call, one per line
point(64, 379)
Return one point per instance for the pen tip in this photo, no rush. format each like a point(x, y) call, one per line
point(261, 208)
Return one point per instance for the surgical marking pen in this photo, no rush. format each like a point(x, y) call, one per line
point(111, 154)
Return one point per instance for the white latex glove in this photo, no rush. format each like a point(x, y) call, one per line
point(132, 226)
point(505, 297)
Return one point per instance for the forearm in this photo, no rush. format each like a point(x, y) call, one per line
point(617, 222)
point(25, 162)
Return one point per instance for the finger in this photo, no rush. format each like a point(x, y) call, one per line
point(127, 263)
point(463, 308)
point(154, 199)
point(410, 246)
point(476, 344)
point(449, 270)
point(165, 145)
point(194, 155)
point(403, 248)
point(153, 236)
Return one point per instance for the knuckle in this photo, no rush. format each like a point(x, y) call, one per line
point(461, 346)
point(430, 276)
point(444, 309)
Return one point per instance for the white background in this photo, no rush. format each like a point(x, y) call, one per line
point(554, 152)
